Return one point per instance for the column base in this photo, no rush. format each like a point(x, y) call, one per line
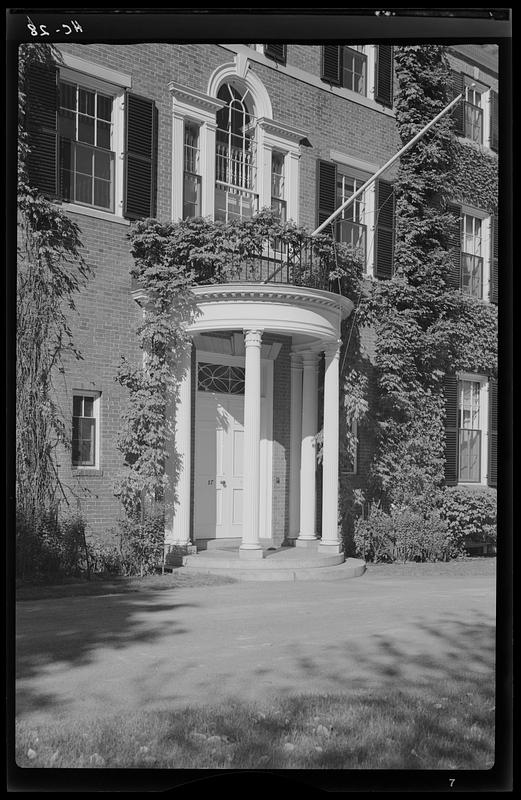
point(309, 543)
point(248, 553)
point(334, 547)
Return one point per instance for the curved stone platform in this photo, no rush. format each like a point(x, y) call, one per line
point(284, 564)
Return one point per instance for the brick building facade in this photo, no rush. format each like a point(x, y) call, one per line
point(134, 133)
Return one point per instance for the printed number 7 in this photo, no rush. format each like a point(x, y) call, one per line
point(451, 780)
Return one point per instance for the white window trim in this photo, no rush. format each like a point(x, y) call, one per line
point(96, 395)
point(346, 163)
point(194, 106)
point(483, 411)
point(486, 249)
point(92, 81)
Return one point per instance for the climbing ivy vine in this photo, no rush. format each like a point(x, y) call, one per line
point(424, 328)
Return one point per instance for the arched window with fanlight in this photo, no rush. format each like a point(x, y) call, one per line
point(236, 156)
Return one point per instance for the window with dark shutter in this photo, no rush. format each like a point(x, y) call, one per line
point(384, 75)
point(331, 64)
point(41, 123)
point(384, 253)
point(326, 190)
point(494, 121)
point(140, 157)
point(450, 393)
point(492, 433)
point(454, 237)
point(494, 248)
point(458, 113)
point(277, 52)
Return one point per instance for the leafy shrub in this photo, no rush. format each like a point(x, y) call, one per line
point(105, 559)
point(50, 546)
point(470, 514)
point(141, 543)
point(402, 535)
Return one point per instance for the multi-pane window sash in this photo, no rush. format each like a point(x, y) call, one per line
point(235, 162)
point(354, 69)
point(86, 160)
point(83, 432)
point(469, 424)
point(471, 258)
point(192, 177)
point(278, 204)
point(473, 115)
point(350, 228)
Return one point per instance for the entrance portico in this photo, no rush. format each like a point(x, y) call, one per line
point(223, 419)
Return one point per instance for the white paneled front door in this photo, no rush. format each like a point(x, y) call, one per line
point(219, 455)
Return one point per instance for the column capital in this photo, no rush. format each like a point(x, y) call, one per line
point(253, 337)
point(309, 358)
point(332, 349)
point(296, 360)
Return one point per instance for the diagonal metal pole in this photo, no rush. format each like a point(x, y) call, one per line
point(377, 174)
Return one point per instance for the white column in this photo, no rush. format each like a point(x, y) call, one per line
point(295, 445)
point(178, 520)
point(250, 546)
point(330, 539)
point(308, 450)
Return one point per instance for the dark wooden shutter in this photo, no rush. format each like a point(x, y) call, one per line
point(458, 115)
point(454, 275)
point(384, 75)
point(140, 157)
point(326, 190)
point(331, 64)
point(494, 121)
point(277, 52)
point(494, 249)
point(492, 433)
point(384, 253)
point(450, 393)
point(41, 111)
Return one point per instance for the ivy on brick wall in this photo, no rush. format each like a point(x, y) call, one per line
point(424, 328)
point(476, 177)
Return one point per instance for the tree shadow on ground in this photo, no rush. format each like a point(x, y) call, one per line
point(87, 626)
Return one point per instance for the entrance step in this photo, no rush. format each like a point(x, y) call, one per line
point(282, 564)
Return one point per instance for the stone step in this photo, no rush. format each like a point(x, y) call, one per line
point(351, 568)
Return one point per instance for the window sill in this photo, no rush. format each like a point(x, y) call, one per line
point(92, 472)
point(93, 212)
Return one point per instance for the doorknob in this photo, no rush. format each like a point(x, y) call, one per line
point(223, 483)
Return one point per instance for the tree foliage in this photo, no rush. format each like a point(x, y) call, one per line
point(51, 271)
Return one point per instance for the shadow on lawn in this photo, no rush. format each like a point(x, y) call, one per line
point(88, 625)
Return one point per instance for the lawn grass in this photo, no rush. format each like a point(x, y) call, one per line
point(445, 726)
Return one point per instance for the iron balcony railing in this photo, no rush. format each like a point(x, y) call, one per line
point(277, 262)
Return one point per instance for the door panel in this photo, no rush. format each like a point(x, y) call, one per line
point(219, 456)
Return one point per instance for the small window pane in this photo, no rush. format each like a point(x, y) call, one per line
point(86, 102)
point(84, 160)
point(102, 165)
point(67, 124)
point(85, 129)
point(102, 193)
point(83, 188)
point(68, 96)
point(104, 107)
point(88, 406)
point(103, 135)
point(77, 406)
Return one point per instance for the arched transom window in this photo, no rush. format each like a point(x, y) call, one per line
point(236, 157)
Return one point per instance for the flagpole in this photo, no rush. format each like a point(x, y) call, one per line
point(377, 174)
